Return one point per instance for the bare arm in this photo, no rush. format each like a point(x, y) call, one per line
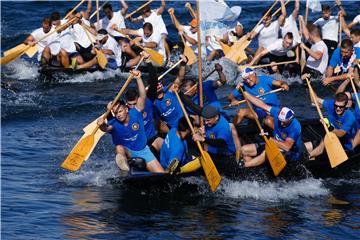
point(151, 45)
point(295, 13)
point(140, 104)
point(88, 10)
point(282, 17)
point(303, 28)
point(286, 145)
point(343, 86)
point(161, 9)
point(257, 102)
point(124, 7)
point(182, 70)
point(344, 26)
point(189, 39)
point(280, 84)
point(258, 56)
point(222, 79)
point(317, 55)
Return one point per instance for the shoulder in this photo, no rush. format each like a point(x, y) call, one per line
point(274, 112)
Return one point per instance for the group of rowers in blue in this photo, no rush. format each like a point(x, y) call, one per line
point(138, 121)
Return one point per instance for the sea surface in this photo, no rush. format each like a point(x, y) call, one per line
point(42, 120)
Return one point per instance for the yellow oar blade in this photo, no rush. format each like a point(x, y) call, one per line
point(32, 51)
point(12, 56)
point(98, 135)
point(224, 47)
point(189, 53)
point(79, 153)
point(15, 49)
point(237, 50)
point(211, 173)
point(276, 159)
point(155, 56)
point(102, 60)
point(334, 150)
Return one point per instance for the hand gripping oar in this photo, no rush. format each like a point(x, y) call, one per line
point(188, 52)
point(211, 173)
point(276, 159)
point(237, 51)
point(102, 60)
point(334, 149)
point(258, 96)
point(354, 89)
point(138, 9)
point(191, 10)
point(16, 54)
point(84, 147)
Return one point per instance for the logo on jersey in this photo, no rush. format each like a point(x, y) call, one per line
point(168, 102)
point(283, 135)
point(261, 91)
point(212, 136)
point(135, 126)
point(339, 123)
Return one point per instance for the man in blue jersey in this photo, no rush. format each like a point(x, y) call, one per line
point(286, 135)
point(341, 61)
point(128, 132)
point(257, 85)
point(174, 151)
point(342, 122)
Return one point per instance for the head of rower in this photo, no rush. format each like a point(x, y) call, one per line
point(120, 111)
point(46, 24)
point(346, 49)
point(108, 11)
point(194, 25)
point(146, 11)
point(211, 115)
point(288, 40)
point(188, 87)
point(183, 129)
point(355, 35)
point(267, 18)
point(286, 115)
point(314, 33)
point(341, 101)
point(56, 19)
point(148, 29)
point(326, 11)
point(131, 97)
point(102, 36)
point(239, 29)
point(250, 77)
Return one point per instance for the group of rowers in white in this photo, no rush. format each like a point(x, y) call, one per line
point(132, 124)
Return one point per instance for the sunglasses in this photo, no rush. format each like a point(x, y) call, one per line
point(338, 106)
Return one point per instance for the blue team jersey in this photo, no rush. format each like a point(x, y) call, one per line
point(337, 60)
point(173, 147)
point(264, 85)
point(169, 109)
point(133, 134)
point(292, 131)
point(209, 95)
point(357, 110)
point(221, 130)
point(148, 117)
point(346, 122)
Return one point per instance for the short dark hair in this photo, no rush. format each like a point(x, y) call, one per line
point(55, 16)
point(346, 43)
point(146, 9)
point(131, 94)
point(289, 35)
point(47, 20)
point(183, 124)
point(341, 97)
point(355, 31)
point(325, 7)
point(102, 31)
point(314, 30)
point(148, 25)
point(107, 6)
point(189, 81)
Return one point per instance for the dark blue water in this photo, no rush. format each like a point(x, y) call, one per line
point(41, 123)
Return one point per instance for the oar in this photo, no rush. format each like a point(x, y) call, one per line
point(334, 149)
point(154, 55)
point(276, 159)
point(237, 50)
point(306, 11)
point(211, 173)
point(138, 9)
point(96, 11)
point(201, 98)
point(279, 9)
point(258, 96)
point(18, 53)
point(303, 54)
point(225, 48)
point(102, 60)
point(340, 30)
point(241, 68)
point(84, 147)
point(191, 10)
point(188, 52)
point(354, 89)
point(97, 14)
point(33, 50)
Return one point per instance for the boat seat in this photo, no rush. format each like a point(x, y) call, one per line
point(137, 163)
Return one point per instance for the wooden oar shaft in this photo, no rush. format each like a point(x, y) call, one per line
point(139, 8)
point(340, 30)
point(191, 10)
point(355, 92)
point(201, 99)
point(97, 10)
point(167, 71)
point(53, 31)
point(279, 9)
point(76, 7)
point(97, 14)
point(258, 96)
point(273, 64)
point(268, 11)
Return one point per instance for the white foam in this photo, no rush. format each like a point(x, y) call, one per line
point(95, 76)
point(273, 191)
point(21, 69)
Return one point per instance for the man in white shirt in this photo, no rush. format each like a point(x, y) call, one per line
point(190, 34)
point(318, 58)
point(113, 18)
point(290, 24)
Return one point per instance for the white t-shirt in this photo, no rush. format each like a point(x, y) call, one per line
point(213, 44)
point(320, 64)
point(106, 23)
point(291, 26)
point(232, 37)
point(38, 34)
point(80, 36)
point(113, 46)
point(156, 38)
point(268, 35)
point(357, 19)
point(357, 45)
point(157, 22)
point(277, 48)
point(187, 31)
point(67, 39)
point(329, 28)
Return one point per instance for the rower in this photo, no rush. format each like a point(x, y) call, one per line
point(190, 34)
point(341, 61)
point(277, 51)
point(257, 85)
point(342, 122)
point(329, 27)
point(290, 24)
point(233, 35)
point(44, 53)
point(149, 38)
point(130, 54)
point(109, 47)
point(268, 31)
point(317, 61)
point(113, 19)
point(174, 152)
point(128, 132)
point(286, 135)
point(155, 18)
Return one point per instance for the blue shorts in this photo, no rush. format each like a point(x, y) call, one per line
point(145, 153)
point(261, 113)
point(112, 64)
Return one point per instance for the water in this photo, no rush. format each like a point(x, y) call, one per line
point(41, 123)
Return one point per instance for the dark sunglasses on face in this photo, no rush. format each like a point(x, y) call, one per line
point(338, 106)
